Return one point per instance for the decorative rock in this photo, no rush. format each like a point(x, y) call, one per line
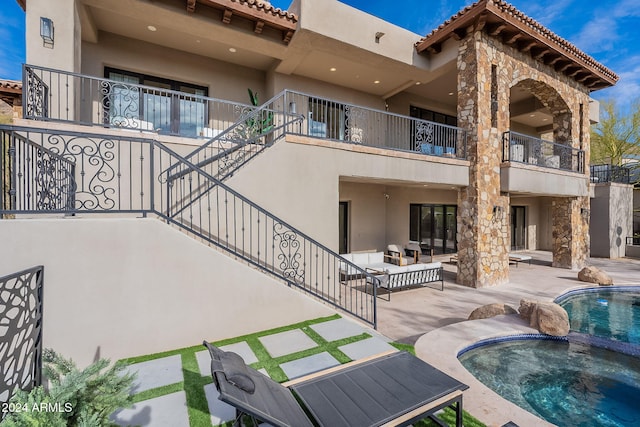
point(547, 317)
point(595, 275)
point(491, 310)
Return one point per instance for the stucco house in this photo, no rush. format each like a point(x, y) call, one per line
point(473, 140)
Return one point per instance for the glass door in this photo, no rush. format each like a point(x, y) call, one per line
point(518, 228)
point(343, 226)
point(451, 226)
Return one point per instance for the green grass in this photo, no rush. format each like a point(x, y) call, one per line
point(194, 382)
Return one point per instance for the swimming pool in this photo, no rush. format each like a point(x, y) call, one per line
point(610, 313)
point(564, 383)
point(574, 381)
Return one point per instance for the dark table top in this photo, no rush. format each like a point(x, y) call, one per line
point(375, 392)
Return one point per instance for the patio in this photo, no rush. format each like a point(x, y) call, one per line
point(163, 397)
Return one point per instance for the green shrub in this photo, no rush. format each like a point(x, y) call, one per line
point(83, 398)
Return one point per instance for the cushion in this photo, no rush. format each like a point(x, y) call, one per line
point(375, 257)
point(394, 248)
point(431, 265)
point(360, 259)
point(235, 371)
point(348, 257)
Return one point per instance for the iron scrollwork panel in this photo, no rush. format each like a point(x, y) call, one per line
point(20, 331)
point(37, 96)
point(97, 184)
point(287, 248)
point(55, 183)
point(121, 104)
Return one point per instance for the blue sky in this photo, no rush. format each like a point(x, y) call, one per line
point(608, 30)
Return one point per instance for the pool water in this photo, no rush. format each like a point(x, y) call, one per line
point(564, 383)
point(605, 313)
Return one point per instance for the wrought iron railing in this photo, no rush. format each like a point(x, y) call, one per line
point(70, 97)
point(37, 178)
point(20, 332)
point(521, 148)
point(633, 241)
point(610, 173)
point(121, 174)
point(330, 119)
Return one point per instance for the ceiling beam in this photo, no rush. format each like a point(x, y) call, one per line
point(258, 27)
point(226, 16)
point(481, 22)
point(495, 30)
point(526, 47)
point(511, 40)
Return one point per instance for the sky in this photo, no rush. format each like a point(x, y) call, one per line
point(608, 30)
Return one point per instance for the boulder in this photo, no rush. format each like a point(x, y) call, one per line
point(490, 310)
point(594, 275)
point(547, 317)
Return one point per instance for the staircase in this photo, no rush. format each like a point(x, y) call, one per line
point(106, 174)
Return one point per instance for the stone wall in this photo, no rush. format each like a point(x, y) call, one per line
point(483, 214)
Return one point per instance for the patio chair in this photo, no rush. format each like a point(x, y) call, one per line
point(396, 255)
point(394, 388)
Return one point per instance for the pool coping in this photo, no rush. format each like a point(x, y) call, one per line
point(480, 400)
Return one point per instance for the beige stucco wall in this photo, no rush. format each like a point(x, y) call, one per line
point(298, 181)
point(611, 219)
point(518, 177)
point(123, 287)
point(65, 52)
point(225, 80)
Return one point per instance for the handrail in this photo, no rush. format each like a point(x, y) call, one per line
point(119, 174)
point(521, 148)
point(610, 173)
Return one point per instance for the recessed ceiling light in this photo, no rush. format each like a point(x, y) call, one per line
point(151, 28)
point(197, 41)
point(545, 119)
point(376, 81)
point(232, 50)
point(332, 69)
point(450, 93)
point(418, 83)
point(532, 115)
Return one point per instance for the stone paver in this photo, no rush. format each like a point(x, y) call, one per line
point(220, 411)
point(156, 373)
point(308, 365)
point(165, 411)
point(365, 348)
point(288, 342)
point(241, 348)
point(334, 330)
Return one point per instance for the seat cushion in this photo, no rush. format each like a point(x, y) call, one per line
point(360, 259)
point(376, 257)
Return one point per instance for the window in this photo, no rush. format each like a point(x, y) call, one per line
point(157, 107)
point(432, 116)
point(427, 140)
point(434, 227)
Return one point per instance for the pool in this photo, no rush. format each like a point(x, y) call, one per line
point(565, 383)
point(574, 381)
point(610, 313)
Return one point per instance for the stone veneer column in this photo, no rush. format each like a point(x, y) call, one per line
point(570, 231)
point(483, 213)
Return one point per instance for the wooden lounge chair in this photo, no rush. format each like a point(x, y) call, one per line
point(393, 389)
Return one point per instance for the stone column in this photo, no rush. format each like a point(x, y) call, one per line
point(483, 213)
point(570, 232)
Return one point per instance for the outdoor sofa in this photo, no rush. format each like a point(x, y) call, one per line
point(395, 388)
point(391, 276)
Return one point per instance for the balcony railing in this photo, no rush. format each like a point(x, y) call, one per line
point(521, 148)
point(62, 96)
point(610, 173)
point(330, 119)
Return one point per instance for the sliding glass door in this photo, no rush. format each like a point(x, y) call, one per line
point(434, 227)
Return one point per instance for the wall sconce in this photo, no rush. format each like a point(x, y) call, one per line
point(386, 196)
point(497, 211)
point(584, 213)
point(379, 36)
point(292, 107)
point(46, 32)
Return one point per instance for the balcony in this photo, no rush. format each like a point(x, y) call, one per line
point(535, 166)
point(60, 96)
point(610, 173)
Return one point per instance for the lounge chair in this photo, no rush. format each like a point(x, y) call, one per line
point(393, 389)
point(396, 255)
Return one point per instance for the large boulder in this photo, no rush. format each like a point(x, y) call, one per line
point(594, 275)
point(490, 310)
point(547, 317)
